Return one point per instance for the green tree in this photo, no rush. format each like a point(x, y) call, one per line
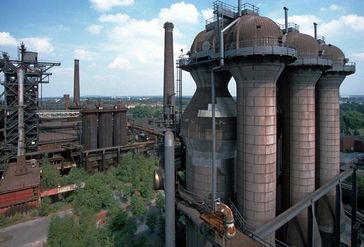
point(122, 228)
point(45, 206)
point(137, 205)
point(76, 176)
point(152, 220)
point(50, 175)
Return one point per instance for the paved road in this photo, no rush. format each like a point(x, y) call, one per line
point(28, 234)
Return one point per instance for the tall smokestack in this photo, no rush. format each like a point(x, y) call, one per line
point(285, 19)
point(76, 84)
point(315, 30)
point(168, 92)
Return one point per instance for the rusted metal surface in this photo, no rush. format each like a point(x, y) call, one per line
point(102, 158)
point(120, 125)
point(19, 192)
point(105, 126)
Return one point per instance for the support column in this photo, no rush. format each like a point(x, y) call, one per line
point(302, 149)
point(328, 148)
point(256, 140)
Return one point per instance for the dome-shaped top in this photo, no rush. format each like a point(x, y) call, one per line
point(254, 30)
point(204, 41)
point(333, 53)
point(305, 45)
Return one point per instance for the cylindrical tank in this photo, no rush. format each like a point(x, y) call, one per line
point(105, 125)
point(120, 125)
point(328, 125)
point(256, 75)
point(89, 127)
point(196, 130)
point(301, 78)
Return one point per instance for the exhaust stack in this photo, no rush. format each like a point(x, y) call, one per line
point(168, 91)
point(285, 20)
point(315, 30)
point(76, 84)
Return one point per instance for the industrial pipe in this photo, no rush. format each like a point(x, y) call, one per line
point(21, 138)
point(213, 109)
point(230, 229)
point(169, 188)
point(315, 30)
point(285, 20)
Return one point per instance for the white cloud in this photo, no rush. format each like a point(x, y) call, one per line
point(355, 22)
point(84, 54)
point(329, 29)
point(37, 44)
point(94, 29)
point(7, 39)
point(333, 8)
point(358, 56)
point(103, 5)
point(63, 28)
point(207, 13)
point(116, 18)
point(119, 63)
point(180, 13)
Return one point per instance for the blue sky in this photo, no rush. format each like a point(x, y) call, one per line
point(120, 42)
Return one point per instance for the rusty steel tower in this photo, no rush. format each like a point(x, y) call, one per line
point(22, 78)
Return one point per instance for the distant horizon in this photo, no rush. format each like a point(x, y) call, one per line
point(160, 96)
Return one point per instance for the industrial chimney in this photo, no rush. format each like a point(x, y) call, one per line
point(168, 91)
point(76, 84)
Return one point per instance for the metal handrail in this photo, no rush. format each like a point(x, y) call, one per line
point(276, 223)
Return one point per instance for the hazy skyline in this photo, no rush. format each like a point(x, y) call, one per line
point(120, 42)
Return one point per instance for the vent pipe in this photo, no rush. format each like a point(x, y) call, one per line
point(285, 19)
point(168, 90)
point(315, 30)
point(76, 84)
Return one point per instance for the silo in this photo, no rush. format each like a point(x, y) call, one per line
point(300, 77)
point(105, 125)
point(196, 131)
point(328, 126)
point(120, 125)
point(89, 127)
point(257, 58)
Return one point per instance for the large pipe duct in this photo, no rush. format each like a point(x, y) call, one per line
point(21, 134)
point(168, 90)
point(20, 164)
point(169, 188)
point(76, 83)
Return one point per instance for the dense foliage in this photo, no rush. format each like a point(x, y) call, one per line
point(147, 111)
point(134, 179)
point(352, 117)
